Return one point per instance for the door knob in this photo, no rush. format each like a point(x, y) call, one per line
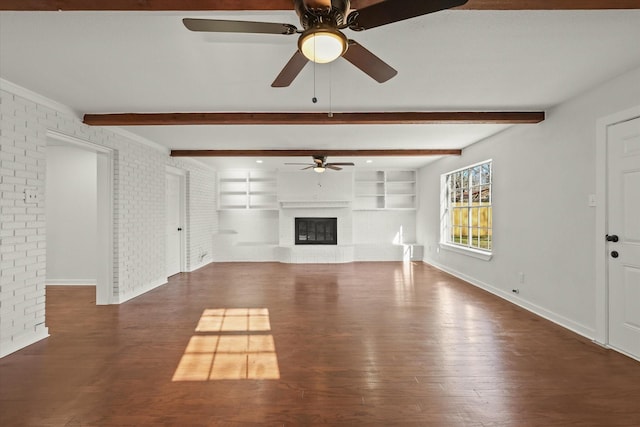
point(613, 238)
point(614, 254)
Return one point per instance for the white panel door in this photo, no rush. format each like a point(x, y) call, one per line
point(174, 226)
point(623, 213)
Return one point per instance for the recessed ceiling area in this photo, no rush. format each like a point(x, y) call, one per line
point(458, 60)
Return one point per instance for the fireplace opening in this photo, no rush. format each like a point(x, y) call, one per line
point(316, 231)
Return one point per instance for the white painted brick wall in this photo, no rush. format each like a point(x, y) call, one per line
point(201, 213)
point(139, 213)
point(22, 265)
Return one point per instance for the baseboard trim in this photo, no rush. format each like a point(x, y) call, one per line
point(200, 265)
point(122, 298)
point(70, 282)
point(12, 346)
point(533, 308)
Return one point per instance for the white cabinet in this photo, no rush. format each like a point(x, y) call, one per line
point(241, 189)
point(385, 189)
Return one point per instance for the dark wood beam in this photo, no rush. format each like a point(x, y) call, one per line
point(213, 5)
point(302, 153)
point(370, 118)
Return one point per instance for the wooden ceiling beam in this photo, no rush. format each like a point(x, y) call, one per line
point(369, 118)
point(302, 153)
point(248, 5)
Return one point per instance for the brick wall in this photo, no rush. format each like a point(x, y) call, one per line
point(22, 225)
point(139, 212)
point(201, 213)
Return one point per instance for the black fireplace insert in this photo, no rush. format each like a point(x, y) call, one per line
point(316, 231)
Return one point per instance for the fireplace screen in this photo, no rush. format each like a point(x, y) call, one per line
point(316, 231)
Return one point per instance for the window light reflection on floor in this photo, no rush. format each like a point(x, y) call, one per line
point(227, 355)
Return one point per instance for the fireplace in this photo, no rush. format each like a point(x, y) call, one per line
point(316, 231)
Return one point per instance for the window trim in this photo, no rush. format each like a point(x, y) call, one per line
point(484, 254)
point(472, 252)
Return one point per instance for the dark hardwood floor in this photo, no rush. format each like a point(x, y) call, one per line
point(366, 344)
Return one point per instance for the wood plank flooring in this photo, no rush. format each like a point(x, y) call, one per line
point(361, 344)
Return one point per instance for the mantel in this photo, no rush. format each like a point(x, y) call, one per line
point(314, 204)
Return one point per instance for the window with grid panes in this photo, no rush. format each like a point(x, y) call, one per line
point(467, 219)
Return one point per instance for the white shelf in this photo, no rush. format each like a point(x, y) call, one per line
point(247, 189)
point(385, 189)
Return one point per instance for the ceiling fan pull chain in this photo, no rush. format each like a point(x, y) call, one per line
point(314, 99)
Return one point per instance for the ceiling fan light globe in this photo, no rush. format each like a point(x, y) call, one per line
point(319, 169)
point(322, 45)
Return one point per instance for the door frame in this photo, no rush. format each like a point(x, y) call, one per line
point(182, 176)
point(105, 227)
point(601, 254)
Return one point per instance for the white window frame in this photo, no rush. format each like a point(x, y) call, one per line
point(445, 243)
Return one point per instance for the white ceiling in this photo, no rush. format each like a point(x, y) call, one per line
point(109, 62)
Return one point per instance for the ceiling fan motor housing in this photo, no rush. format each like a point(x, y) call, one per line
point(319, 159)
point(318, 15)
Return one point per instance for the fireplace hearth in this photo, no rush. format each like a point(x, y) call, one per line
point(316, 231)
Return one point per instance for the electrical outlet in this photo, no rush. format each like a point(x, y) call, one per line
point(30, 195)
point(521, 277)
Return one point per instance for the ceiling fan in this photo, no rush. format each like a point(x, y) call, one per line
point(321, 39)
point(320, 164)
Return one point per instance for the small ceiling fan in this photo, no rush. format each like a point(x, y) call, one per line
point(321, 39)
point(320, 164)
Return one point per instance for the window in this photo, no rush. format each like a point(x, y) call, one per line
point(467, 211)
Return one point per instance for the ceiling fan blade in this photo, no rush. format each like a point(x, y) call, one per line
point(308, 167)
point(291, 70)
point(341, 164)
point(332, 166)
point(224, 26)
point(390, 11)
point(373, 66)
point(299, 164)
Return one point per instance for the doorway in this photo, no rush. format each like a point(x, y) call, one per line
point(175, 207)
point(98, 220)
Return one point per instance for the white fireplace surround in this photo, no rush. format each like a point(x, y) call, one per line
point(289, 252)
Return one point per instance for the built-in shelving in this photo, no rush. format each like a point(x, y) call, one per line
point(385, 189)
point(242, 189)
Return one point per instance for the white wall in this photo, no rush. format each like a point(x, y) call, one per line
point(543, 226)
point(251, 226)
point(71, 216)
point(308, 185)
point(139, 211)
point(384, 227)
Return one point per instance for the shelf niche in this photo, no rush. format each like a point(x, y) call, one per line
point(242, 189)
point(385, 189)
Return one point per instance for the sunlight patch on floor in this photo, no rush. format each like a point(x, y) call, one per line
point(227, 355)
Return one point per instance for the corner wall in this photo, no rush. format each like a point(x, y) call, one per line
point(139, 211)
point(543, 226)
